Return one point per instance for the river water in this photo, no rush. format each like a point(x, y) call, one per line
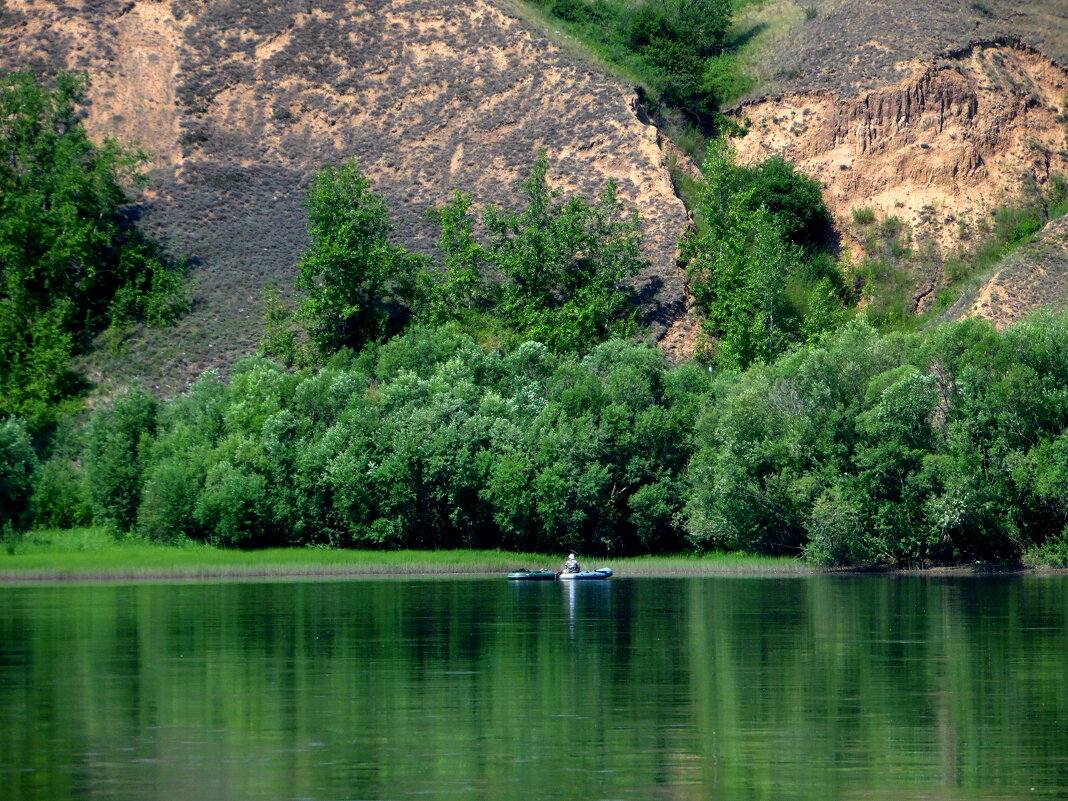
point(820, 688)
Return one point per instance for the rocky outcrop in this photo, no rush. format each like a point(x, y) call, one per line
point(239, 101)
point(939, 148)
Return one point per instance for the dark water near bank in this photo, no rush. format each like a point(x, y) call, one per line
point(698, 688)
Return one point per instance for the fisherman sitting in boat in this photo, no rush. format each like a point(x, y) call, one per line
point(572, 565)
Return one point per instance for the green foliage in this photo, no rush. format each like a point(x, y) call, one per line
point(890, 448)
point(793, 199)
point(60, 498)
point(566, 265)
point(18, 461)
point(893, 257)
point(859, 448)
point(863, 215)
point(680, 49)
point(564, 268)
point(71, 263)
point(280, 337)
point(750, 251)
point(458, 287)
point(425, 442)
point(116, 442)
point(189, 428)
point(355, 279)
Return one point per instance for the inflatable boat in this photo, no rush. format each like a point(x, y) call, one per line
point(599, 573)
point(532, 575)
point(549, 575)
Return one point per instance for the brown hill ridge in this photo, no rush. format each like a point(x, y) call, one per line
point(240, 101)
point(939, 148)
point(856, 46)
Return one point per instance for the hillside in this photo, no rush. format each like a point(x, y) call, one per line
point(239, 102)
point(936, 114)
point(1033, 277)
point(938, 148)
point(931, 112)
point(855, 46)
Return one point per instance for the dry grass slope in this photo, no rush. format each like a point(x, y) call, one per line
point(1033, 277)
point(240, 101)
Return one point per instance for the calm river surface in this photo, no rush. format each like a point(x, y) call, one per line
point(690, 688)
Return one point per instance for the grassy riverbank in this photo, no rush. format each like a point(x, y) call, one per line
point(92, 554)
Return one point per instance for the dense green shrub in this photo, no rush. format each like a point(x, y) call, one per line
point(429, 442)
point(754, 268)
point(942, 447)
point(17, 465)
point(562, 269)
point(117, 439)
point(860, 448)
point(356, 282)
point(566, 265)
point(678, 48)
point(794, 200)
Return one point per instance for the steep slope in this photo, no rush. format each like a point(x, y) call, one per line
point(239, 101)
point(935, 113)
point(938, 149)
point(854, 46)
point(1033, 277)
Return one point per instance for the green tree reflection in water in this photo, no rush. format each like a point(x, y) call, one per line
point(732, 688)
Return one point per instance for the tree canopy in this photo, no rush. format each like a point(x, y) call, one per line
point(71, 261)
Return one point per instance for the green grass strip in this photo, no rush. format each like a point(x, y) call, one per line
point(92, 554)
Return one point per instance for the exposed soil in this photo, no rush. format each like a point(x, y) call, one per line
point(890, 105)
point(933, 111)
point(239, 101)
point(938, 149)
point(1033, 277)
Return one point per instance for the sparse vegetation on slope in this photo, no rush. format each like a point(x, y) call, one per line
point(681, 51)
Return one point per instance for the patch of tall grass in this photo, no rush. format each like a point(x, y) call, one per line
point(95, 554)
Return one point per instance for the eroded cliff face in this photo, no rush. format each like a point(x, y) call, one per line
point(939, 148)
point(239, 101)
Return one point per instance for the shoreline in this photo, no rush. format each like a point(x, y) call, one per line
point(630, 567)
point(92, 555)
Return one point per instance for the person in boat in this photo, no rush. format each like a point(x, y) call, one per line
point(572, 565)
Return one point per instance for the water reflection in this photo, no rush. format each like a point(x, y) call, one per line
point(823, 688)
point(592, 596)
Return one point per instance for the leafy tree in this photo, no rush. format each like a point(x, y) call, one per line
point(117, 443)
point(566, 265)
point(356, 281)
point(748, 254)
point(458, 286)
point(189, 430)
point(18, 461)
point(793, 199)
point(679, 38)
point(234, 507)
point(71, 262)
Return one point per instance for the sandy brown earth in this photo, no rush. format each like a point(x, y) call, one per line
point(854, 46)
point(938, 148)
point(239, 101)
point(932, 111)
